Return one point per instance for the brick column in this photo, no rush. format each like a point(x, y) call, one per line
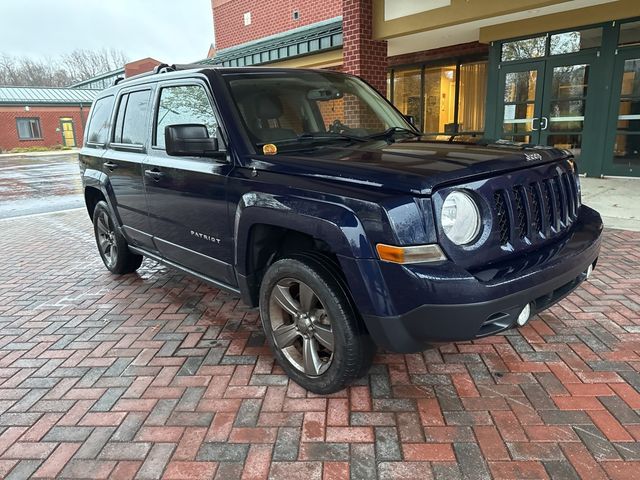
point(362, 55)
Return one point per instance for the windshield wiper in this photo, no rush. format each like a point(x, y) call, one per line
point(390, 132)
point(331, 136)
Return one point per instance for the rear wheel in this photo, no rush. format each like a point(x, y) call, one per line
point(112, 245)
point(314, 332)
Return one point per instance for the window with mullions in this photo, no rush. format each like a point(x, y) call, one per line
point(28, 128)
point(443, 99)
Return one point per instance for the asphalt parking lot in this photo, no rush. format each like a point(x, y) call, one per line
point(156, 375)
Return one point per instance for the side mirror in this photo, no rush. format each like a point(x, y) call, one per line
point(189, 140)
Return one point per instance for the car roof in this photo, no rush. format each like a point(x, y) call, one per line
point(183, 71)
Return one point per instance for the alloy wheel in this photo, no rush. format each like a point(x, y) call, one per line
point(301, 327)
point(107, 239)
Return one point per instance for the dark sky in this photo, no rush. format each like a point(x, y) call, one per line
point(173, 31)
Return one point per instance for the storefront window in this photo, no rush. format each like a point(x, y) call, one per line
point(570, 42)
point(472, 94)
point(406, 92)
point(522, 49)
point(445, 99)
point(439, 99)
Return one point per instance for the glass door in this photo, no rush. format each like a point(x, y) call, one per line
point(623, 140)
point(521, 89)
point(565, 103)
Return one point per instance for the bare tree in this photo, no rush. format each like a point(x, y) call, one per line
point(59, 72)
point(82, 64)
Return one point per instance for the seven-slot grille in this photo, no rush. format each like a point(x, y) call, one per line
point(538, 209)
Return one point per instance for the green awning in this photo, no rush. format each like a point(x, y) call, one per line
point(308, 40)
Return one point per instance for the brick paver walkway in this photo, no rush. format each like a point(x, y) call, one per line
point(157, 375)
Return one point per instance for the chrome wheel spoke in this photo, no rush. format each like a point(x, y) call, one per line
point(285, 335)
point(324, 335)
point(307, 297)
point(282, 295)
point(310, 357)
point(113, 252)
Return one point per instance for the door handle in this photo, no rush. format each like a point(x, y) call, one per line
point(155, 174)
point(533, 123)
point(543, 126)
point(111, 165)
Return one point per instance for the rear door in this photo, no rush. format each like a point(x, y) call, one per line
point(187, 195)
point(123, 163)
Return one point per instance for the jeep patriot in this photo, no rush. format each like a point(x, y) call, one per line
point(309, 195)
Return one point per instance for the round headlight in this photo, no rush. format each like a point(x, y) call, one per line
point(460, 218)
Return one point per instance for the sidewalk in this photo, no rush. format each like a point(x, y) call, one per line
point(73, 151)
point(617, 200)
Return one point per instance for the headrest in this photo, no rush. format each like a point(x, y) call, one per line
point(268, 107)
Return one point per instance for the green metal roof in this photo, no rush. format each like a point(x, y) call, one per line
point(107, 77)
point(310, 39)
point(45, 96)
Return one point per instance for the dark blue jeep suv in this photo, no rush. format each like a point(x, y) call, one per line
point(309, 195)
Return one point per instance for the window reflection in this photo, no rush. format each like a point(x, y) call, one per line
point(570, 42)
point(521, 49)
point(406, 92)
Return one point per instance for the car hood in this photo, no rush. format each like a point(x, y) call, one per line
point(414, 166)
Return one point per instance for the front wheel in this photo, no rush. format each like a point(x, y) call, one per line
point(312, 327)
point(112, 245)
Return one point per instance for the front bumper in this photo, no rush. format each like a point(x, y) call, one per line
point(443, 303)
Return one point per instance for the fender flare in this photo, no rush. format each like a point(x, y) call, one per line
point(331, 222)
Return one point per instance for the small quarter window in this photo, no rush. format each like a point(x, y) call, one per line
point(182, 105)
point(100, 122)
point(28, 128)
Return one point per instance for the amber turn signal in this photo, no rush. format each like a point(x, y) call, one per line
point(414, 254)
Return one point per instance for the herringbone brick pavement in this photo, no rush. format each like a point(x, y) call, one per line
point(155, 375)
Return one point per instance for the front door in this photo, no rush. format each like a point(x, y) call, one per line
point(68, 134)
point(545, 102)
point(187, 195)
point(623, 139)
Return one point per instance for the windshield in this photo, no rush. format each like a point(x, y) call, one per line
point(294, 108)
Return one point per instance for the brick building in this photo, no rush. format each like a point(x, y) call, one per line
point(553, 72)
point(49, 117)
point(43, 117)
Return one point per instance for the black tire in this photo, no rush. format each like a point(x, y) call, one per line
point(112, 246)
point(353, 349)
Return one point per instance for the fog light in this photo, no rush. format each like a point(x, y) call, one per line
point(524, 315)
point(588, 272)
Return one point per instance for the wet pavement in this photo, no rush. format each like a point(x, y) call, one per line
point(32, 184)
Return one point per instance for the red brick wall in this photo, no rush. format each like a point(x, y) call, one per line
point(361, 55)
point(267, 18)
point(49, 122)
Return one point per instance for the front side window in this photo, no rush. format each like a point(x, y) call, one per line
point(293, 108)
point(100, 122)
point(28, 128)
point(183, 105)
point(131, 121)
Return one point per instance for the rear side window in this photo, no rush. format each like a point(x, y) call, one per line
point(131, 121)
point(181, 105)
point(100, 122)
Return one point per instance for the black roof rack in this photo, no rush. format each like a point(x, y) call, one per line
point(162, 68)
